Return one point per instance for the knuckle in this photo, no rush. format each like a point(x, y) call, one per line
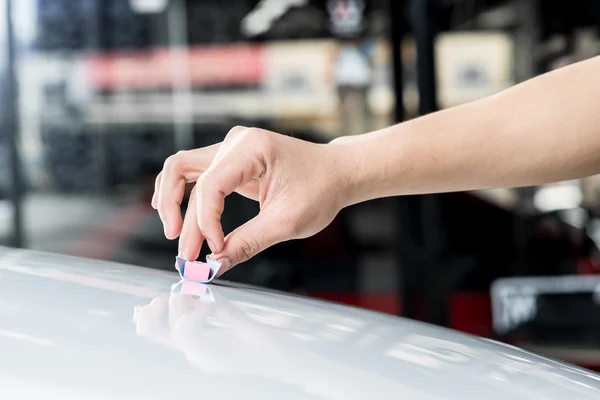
point(236, 130)
point(254, 139)
point(247, 248)
point(263, 143)
point(175, 161)
point(265, 140)
point(168, 164)
point(254, 135)
point(246, 135)
point(204, 182)
point(258, 134)
point(171, 162)
point(342, 140)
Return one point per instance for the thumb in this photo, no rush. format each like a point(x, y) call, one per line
point(256, 235)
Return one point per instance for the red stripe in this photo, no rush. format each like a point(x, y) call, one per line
point(212, 65)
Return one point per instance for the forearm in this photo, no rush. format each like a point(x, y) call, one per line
point(546, 129)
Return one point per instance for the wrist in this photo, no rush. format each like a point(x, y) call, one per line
point(350, 163)
point(378, 164)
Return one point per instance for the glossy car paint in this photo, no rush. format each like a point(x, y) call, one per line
point(82, 329)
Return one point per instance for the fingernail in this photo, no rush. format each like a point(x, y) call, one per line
point(166, 229)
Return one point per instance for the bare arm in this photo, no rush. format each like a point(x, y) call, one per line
point(546, 129)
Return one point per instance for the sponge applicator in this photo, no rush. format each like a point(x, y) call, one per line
point(197, 271)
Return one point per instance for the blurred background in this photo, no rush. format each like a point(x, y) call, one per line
point(97, 93)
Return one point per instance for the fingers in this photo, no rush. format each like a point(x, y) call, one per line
point(210, 204)
point(170, 195)
point(190, 240)
point(180, 168)
point(250, 190)
point(233, 166)
point(256, 235)
point(156, 190)
point(236, 165)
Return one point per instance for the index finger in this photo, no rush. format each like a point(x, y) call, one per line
point(235, 165)
point(179, 169)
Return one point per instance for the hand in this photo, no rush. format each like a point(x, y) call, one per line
point(300, 187)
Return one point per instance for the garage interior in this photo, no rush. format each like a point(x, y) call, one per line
point(107, 89)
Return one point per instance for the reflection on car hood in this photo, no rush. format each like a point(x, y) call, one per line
point(82, 329)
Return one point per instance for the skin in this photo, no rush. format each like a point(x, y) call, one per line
point(544, 130)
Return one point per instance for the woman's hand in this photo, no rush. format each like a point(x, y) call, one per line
point(300, 187)
point(515, 138)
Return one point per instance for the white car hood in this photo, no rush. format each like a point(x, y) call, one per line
point(82, 329)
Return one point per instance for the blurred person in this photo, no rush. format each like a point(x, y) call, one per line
point(544, 130)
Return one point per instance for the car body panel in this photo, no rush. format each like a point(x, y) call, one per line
point(74, 328)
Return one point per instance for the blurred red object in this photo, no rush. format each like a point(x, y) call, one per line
point(205, 66)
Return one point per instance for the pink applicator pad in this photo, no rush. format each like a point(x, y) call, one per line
point(203, 272)
point(196, 271)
